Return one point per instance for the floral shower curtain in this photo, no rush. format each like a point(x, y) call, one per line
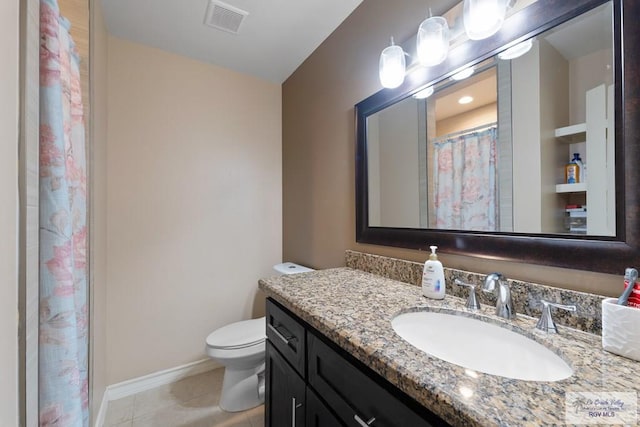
point(465, 182)
point(63, 351)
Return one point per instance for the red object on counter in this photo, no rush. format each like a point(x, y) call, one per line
point(634, 298)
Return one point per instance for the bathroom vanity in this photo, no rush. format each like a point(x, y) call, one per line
point(333, 358)
point(304, 369)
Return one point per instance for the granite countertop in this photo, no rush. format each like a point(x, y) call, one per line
point(354, 309)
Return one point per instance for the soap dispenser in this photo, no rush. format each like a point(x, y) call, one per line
point(433, 285)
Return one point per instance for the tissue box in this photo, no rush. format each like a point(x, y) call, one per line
point(621, 329)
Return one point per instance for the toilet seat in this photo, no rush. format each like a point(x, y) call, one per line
point(238, 335)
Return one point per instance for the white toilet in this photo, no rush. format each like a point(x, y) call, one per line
point(240, 348)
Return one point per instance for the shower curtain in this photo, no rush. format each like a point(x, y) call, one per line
point(465, 181)
point(63, 340)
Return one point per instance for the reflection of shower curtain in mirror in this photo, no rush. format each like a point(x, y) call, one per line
point(465, 181)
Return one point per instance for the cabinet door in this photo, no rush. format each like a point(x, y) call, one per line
point(319, 415)
point(354, 395)
point(284, 392)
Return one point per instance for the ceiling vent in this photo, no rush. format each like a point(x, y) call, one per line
point(224, 17)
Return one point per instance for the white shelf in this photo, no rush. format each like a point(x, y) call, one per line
point(580, 187)
point(571, 130)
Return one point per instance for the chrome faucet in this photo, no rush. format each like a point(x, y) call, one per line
point(546, 322)
point(504, 302)
point(472, 301)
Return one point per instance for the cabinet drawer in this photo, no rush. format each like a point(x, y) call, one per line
point(287, 335)
point(355, 396)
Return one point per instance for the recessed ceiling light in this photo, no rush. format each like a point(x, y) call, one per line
point(467, 72)
point(465, 100)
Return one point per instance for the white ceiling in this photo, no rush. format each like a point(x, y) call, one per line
point(274, 39)
point(584, 35)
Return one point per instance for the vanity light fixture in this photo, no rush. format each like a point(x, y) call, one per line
point(517, 50)
point(424, 93)
point(392, 66)
point(483, 18)
point(461, 75)
point(432, 42)
point(465, 100)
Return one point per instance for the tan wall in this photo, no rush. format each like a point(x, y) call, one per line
point(8, 214)
point(586, 73)
point(318, 149)
point(399, 166)
point(98, 245)
point(77, 12)
point(194, 206)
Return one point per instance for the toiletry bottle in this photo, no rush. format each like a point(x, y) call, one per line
point(571, 173)
point(581, 171)
point(433, 285)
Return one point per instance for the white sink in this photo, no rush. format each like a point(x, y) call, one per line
point(480, 346)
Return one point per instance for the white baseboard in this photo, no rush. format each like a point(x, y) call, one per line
point(102, 413)
point(147, 382)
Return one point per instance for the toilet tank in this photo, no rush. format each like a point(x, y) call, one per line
point(291, 268)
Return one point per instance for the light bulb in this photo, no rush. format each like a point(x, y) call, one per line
point(466, 73)
point(517, 50)
point(483, 18)
point(392, 66)
point(424, 93)
point(433, 41)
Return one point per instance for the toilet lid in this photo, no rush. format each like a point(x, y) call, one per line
point(239, 334)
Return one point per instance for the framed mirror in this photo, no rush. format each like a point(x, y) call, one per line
point(531, 115)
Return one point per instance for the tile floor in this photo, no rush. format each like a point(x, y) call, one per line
point(190, 402)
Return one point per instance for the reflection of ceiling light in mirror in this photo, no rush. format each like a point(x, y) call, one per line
point(517, 50)
point(424, 93)
point(392, 66)
point(433, 41)
point(467, 72)
point(465, 100)
point(483, 18)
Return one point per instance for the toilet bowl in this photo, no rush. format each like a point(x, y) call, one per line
point(240, 348)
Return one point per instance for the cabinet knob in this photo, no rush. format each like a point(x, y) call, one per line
point(362, 422)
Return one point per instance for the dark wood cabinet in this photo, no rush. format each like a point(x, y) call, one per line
point(285, 392)
point(357, 396)
point(312, 382)
point(318, 415)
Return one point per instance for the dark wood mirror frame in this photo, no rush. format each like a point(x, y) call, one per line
point(600, 254)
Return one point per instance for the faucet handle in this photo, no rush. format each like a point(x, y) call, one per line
point(472, 302)
point(546, 322)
